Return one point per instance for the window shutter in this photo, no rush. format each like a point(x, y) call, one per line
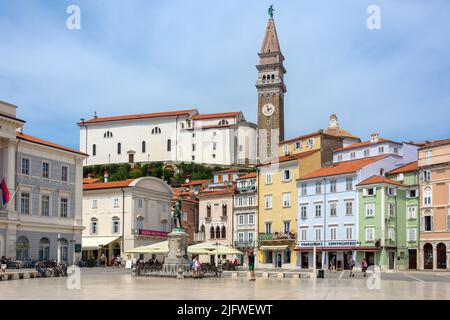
point(448, 222)
point(374, 190)
point(422, 223)
point(364, 192)
point(432, 223)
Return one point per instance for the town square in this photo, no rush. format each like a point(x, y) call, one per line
point(261, 151)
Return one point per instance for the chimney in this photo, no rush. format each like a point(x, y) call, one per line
point(374, 138)
point(106, 175)
point(95, 115)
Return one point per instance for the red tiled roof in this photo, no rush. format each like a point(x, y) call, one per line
point(338, 132)
point(228, 171)
point(379, 179)
point(188, 112)
point(196, 182)
point(412, 166)
point(216, 126)
point(216, 192)
point(289, 157)
point(302, 137)
point(435, 143)
point(365, 143)
point(108, 185)
point(90, 180)
point(342, 168)
point(26, 137)
point(250, 175)
point(216, 115)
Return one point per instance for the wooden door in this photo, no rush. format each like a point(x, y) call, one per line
point(412, 259)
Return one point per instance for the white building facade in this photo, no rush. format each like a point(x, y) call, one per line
point(177, 136)
point(121, 215)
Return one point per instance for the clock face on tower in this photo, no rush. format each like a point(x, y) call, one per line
point(268, 109)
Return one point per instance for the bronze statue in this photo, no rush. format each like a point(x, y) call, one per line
point(270, 11)
point(176, 215)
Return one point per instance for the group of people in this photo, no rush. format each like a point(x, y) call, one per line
point(351, 264)
point(115, 261)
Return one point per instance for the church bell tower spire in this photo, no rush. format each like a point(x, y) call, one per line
point(271, 89)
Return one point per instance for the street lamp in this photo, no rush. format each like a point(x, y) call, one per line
point(217, 254)
point(59, 249)
point(73, 251)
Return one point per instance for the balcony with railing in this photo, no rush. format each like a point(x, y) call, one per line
point(199, 237)
point(291, 236)
point(244, 244)
point(246, 189)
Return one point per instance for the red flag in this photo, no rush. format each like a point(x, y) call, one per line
point(5, 192)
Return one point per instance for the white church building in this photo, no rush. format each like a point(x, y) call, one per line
point(176, 136)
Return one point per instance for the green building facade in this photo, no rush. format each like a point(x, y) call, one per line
point(388, 219)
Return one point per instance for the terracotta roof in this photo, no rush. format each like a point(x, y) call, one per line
point(216, 115)
point(108, 185)
point(342, 167)
point(196, 182)
point(365, 143)
point(216, 126)
point(90, 180)
point(379, 179)
point(188, 112)
point(338, 132)
point(302, 137)
point(216, 192)
point(250, 175)
point(412, 166)
point(287, 158)
point(26, 137)
point(435, 143)
point(228, 171)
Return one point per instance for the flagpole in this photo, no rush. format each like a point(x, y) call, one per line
point(14, 194)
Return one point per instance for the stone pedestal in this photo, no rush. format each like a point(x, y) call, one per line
point(176, 263)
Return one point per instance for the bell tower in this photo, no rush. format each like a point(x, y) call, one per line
point(271, 89)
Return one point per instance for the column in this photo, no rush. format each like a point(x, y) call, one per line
point(434, 257)
point(10, 241)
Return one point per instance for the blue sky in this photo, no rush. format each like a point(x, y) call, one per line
point(149, 56)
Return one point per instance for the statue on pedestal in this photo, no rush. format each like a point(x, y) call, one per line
point(176, 215)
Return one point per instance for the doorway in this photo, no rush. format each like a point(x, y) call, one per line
point(391, 260)
point(412, 256)
point(441, 256)
point(332, 256)
point(428, 256)
point(304, 259)
point(278, 259)
point(370, 258)
point(347, 254)
point(319, 260)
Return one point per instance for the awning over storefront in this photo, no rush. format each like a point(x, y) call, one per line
point(332, 249)
point(156, 248)
point(274, 248)
point(95, 243)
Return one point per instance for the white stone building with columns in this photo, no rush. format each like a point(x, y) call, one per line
point(43, 217)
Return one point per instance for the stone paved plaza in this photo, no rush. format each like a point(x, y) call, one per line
point(118, 284)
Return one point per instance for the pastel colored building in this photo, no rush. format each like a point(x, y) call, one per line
point(42, 220)
point(434, 170)
point(122, 215)
point(388, 219)
point(328, 204)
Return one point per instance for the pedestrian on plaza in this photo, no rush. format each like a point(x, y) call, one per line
point(197, 267)
point(251, 264)
point(351, 265)
point(103, 260)
point(332, 264)
point(364, 267)
point(119, 261)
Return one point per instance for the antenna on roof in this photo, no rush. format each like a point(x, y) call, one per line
point(95, 115)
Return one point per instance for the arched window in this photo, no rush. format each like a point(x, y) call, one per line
point(211, 231)
point(108, 134)
point(64, 250)
point(44, 249)
point(140, 223)
point(273, 77)
point(224, 232)
point(208, 210)
point(202, 229)
point(169, 145)
point(94, 225)
point(217, 232)
point(223, 122)
point(224, 210)
point(119, 148)
point(264, 78)
point(115, 228)
point(156, 130)
point(143, 146)
point(94, 149)
point(22, 246)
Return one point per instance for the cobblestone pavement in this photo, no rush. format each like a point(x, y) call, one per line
point(119, 284)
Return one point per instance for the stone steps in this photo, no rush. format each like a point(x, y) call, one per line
point(16, 275)
point(268, 274)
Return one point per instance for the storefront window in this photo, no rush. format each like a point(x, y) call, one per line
point(269, 257)
point(287, 256)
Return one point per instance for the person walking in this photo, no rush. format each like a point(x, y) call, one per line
point(364, 267)
point(351, 264)
point(251, 264)
point(332, 264)
point(119, 261)
point(103, 260)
